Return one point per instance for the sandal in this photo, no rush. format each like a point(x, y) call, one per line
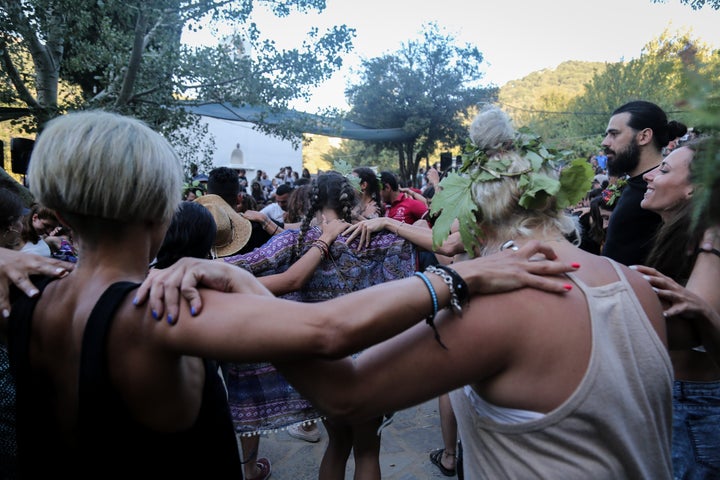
point(265, 469)
point(436, 459)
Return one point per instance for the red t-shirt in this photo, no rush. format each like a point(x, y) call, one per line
point(406, 209)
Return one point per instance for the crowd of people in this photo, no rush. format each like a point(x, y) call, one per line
point(172, 324)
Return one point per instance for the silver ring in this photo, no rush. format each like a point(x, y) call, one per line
point(511, 245)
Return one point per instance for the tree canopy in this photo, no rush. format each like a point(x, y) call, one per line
point(697, 4)
point(427, 88)
point(127, 56)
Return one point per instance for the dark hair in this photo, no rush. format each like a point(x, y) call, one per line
point(11, 208)
point(645, 114)
point(328, 190)
point(673, 251)
point(257, 193)
point(248, 202)
point(390, 179)
point(597, 233)
point(298, 204)
point(283, 189)
point(29, 234)
point(367, 175)
point(223, 181)
point(191, 234)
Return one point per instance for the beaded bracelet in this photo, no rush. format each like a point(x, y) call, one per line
point(322, 252)
point(324, 243)
point(430, 319)
point(457, 286)
point(323, 247)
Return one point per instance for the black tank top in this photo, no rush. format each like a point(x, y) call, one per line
point(107, 436)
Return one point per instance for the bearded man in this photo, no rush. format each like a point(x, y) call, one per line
point(634, 139)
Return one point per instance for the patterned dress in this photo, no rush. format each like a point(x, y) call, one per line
point(260, 398)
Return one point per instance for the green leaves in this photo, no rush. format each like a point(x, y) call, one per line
point(575, 182)
point(345, 169)
point(453, 201)
point(536, 189)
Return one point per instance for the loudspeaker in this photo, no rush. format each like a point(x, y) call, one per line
point(445, 161)
point(20, 150)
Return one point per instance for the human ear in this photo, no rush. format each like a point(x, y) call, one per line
point(645, 136)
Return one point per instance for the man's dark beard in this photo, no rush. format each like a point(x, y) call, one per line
point(625, 161)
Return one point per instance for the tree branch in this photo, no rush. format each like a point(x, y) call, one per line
point(213, 84)
point(15, 78)
point(135, 59)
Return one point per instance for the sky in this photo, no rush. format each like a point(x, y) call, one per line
point(516, 37)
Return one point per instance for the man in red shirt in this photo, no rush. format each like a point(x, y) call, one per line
point(400, 206)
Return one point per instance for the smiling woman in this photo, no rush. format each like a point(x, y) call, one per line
point(696, 389)
point(669, 185)
point(670, 194)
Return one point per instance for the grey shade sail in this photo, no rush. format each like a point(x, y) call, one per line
point(304, 122)
point(307, 123)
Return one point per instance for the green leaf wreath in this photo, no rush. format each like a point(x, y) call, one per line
point(454, 198)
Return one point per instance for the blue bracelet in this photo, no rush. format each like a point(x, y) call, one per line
point(430, 319)
point(431, 289)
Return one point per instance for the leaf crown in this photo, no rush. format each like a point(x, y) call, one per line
point(455, 198)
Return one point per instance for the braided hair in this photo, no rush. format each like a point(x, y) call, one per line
point(328, 190)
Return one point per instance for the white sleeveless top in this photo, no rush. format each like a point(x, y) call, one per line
point(617, 424)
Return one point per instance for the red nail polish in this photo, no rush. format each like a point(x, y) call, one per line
point(567, 287)
point(575, 265)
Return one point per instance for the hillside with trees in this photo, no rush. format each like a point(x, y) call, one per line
point(547, 90)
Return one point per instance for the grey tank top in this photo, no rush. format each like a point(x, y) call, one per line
point(616, 424)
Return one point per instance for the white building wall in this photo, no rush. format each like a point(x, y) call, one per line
point(260, 150)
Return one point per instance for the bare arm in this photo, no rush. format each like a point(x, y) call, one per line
point(497, 273)
point(268, 225)
point(413, 194)
point(705, 276)
point(416, 234)
point(256, 325)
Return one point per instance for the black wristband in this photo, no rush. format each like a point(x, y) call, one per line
point(459, 285)
point(714, 251)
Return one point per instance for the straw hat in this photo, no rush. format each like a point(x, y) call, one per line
point(233, 230)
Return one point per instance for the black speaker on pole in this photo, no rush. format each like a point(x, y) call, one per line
point(20, 150)
point(445, 161)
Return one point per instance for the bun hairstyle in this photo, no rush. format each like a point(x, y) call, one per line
point(502, 216)
point(645, 114)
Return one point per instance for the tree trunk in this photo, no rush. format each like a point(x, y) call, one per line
point(406, 150)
